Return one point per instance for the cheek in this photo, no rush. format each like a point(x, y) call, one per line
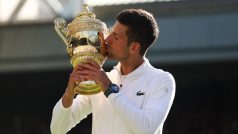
point(115, 46)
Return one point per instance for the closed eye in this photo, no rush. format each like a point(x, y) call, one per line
point(115, 35)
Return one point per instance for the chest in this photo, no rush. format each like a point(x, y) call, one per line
point(135, 90)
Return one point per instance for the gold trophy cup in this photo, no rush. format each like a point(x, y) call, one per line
point(84, 40)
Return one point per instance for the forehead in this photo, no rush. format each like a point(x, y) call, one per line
point(119, 29)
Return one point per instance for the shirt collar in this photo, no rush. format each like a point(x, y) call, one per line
point(137, 72)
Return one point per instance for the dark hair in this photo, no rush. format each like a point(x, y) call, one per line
point(142, 27)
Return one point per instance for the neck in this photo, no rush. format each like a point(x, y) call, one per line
point(130, 65)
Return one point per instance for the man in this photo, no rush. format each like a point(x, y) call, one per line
point(135, 98)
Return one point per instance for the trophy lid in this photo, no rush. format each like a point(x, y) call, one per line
point(86, 21)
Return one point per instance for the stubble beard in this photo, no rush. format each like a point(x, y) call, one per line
point(111, 56)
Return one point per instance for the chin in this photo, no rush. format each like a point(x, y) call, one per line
point(111, 58)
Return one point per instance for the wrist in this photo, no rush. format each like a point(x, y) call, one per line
point(106, 86)
point(70, 93)
point(112, 88)
point(67, 98)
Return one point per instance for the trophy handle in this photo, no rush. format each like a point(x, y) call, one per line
point(60, 28)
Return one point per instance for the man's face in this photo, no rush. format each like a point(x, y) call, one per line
point(118, 48)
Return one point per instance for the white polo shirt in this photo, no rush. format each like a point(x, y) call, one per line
point(140, 107)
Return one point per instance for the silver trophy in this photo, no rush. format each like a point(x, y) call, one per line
point(84, 39)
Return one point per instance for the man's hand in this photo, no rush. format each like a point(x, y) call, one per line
point(90, 70)
point(69, 94)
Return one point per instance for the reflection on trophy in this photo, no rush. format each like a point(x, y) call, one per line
point(84, 40)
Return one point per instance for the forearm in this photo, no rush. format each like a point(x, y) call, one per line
point(63, 119)
point(70, 110)
point(67, 98)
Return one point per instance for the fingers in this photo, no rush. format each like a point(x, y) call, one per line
point(90, 65)
point(76, 77)
point(88, 70)
point(77, 68)
point(93, 63)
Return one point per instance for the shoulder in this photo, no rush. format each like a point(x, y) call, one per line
point(159, 74)
point(160, 78)
point(161, 83)
point(156, 73)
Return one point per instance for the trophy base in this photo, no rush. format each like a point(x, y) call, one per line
point(87, 88)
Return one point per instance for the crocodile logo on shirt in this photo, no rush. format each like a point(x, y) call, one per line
point(139, 93)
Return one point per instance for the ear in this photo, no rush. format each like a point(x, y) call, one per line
point(134, 48)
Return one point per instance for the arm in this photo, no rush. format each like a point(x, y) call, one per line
point(69, 111)
point(148, 119)
point(63, 119)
